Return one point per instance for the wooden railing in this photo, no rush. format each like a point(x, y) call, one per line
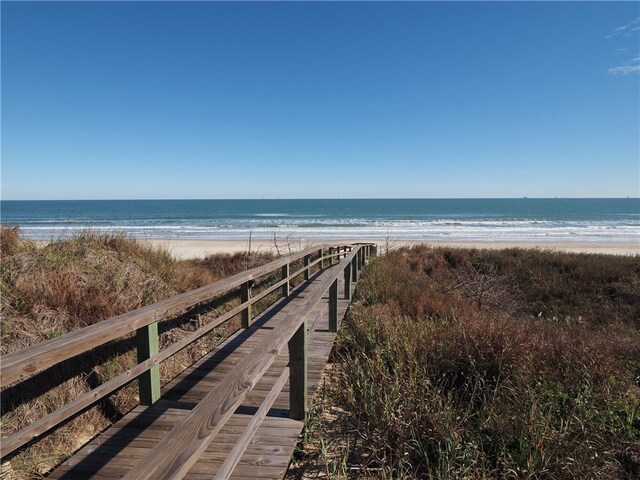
point(19, 365)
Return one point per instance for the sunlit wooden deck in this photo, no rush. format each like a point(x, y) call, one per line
point(115, 452)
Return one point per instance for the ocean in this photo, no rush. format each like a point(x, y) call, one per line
point(509, 220)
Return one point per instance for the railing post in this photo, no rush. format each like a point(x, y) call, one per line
point(245, 295)
point(347, 282)
point(307, 272)
point(321, 261)
point(354, 268)
point(149, 381)
point(298, 373)
point(286, 288)
point(333, 306)
point(330, 256)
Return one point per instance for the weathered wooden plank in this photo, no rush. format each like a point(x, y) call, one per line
point(232, 459)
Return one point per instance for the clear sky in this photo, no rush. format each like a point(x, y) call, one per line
point(315, 100)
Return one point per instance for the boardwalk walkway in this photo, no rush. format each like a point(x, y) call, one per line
point(117, 452)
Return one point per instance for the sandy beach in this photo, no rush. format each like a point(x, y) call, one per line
point(186, 249)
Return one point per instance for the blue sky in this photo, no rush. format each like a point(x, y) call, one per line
point(316, 100)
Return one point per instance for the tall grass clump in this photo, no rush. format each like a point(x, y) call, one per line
point(489, 364)
point(48, 290)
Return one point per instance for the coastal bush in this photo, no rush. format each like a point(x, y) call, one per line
point(485, 364)
point(50, 289)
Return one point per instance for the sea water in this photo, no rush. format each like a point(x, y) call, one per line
point(510, 220)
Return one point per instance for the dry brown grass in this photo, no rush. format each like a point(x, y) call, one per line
point(47, 291)
point(487, 364)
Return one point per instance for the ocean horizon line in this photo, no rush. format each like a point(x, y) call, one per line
point(308, 198)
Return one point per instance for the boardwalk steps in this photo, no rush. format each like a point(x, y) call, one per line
point(229, 414)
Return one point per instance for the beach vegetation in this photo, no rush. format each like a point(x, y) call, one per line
point(457, 363)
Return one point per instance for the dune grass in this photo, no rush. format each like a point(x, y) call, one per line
point(484, 364)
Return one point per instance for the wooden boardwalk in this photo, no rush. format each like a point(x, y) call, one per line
point(263, 418)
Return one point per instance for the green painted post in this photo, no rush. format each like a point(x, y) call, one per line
point(307, 272)
point(245, 295)
point(149, 381)
point(354, 268)
point(286, 288)
point(298, 373)
point(333, 306)
point(347, 282)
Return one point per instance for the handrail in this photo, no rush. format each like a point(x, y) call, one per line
point(14, 368)
point(30, 360)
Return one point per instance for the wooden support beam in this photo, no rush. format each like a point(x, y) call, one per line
point(322, 259)
point(333, 306)
point(286, 288)
point(347, 282)
point(354, 268)
point(245, 295)
point(298, 373)
point(307, 272)
point(149, 381)
point(330, 256)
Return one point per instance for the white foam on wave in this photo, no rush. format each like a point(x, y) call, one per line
point(469, 230)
